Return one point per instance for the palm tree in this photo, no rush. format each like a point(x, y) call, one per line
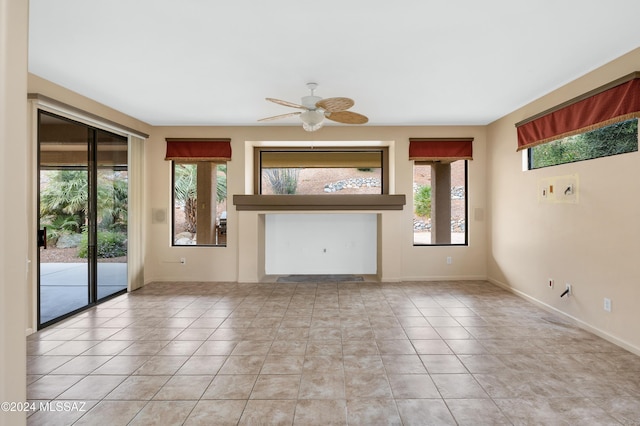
point(186, 190)
point(113, 198)
point(65, 195)
point(221, 182)
point(64, 202)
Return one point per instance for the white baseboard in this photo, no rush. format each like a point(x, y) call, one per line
point(446, 278)
point(576, 321)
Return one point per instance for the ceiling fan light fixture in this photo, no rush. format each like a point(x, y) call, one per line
point(312, 120)
point(316, 109)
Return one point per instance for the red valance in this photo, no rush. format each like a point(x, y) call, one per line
point(613, 103)
point(198, 149)
point(440, 149)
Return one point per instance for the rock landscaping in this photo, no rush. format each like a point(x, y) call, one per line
point(363, 182)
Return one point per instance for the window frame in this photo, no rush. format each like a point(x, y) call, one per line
point(214, 164)
point(384, 166)
point(610, 126)
point(466, 204)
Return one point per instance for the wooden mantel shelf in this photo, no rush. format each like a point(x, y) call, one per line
point(319, 202)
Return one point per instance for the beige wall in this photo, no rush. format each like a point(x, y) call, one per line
point(239, 260)
point(594, 244)
point(14, 231)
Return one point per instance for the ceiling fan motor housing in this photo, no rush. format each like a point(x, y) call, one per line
point(310, 101)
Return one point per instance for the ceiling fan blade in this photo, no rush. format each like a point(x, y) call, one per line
point(347, 117)
point(277, 117)
point(285, 103)
point(335, 104)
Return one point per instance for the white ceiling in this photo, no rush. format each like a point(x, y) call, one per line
point(404, 62)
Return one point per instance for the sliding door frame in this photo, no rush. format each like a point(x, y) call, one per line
point(135, 149)
point(90, 164)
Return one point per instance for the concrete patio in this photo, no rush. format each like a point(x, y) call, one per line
point(63, 286)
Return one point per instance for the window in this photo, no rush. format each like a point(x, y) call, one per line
point(596, 124)
point(199, 203)
point(199, 182)
point(321, 171)
point(618, 138)
point(440, 189)
point(440, 203)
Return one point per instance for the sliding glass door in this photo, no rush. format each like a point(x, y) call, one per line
point(82, 216)
point(64, 209)
point(111, 214)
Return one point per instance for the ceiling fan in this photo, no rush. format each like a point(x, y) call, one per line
point(315, 110)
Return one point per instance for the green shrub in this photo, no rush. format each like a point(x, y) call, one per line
point(422, 201)
point(110, 244)
point(618, 138)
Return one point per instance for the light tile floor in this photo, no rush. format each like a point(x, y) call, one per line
point(412, 353)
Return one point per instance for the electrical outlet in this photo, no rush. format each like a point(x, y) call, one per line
point(449, 260)
point(550, 283)
point(569, 289)
point(183, 261)
point(607, 304)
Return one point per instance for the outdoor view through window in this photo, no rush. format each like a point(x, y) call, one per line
point(200, 204)
point(312, 180)
point(440, 203)
point(615, 139)
point(308, 172)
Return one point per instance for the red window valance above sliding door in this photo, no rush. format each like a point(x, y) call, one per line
point(615, 102)
point(440, 149)
point(198, 149)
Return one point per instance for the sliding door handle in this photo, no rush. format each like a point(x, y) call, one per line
point(42, 237)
